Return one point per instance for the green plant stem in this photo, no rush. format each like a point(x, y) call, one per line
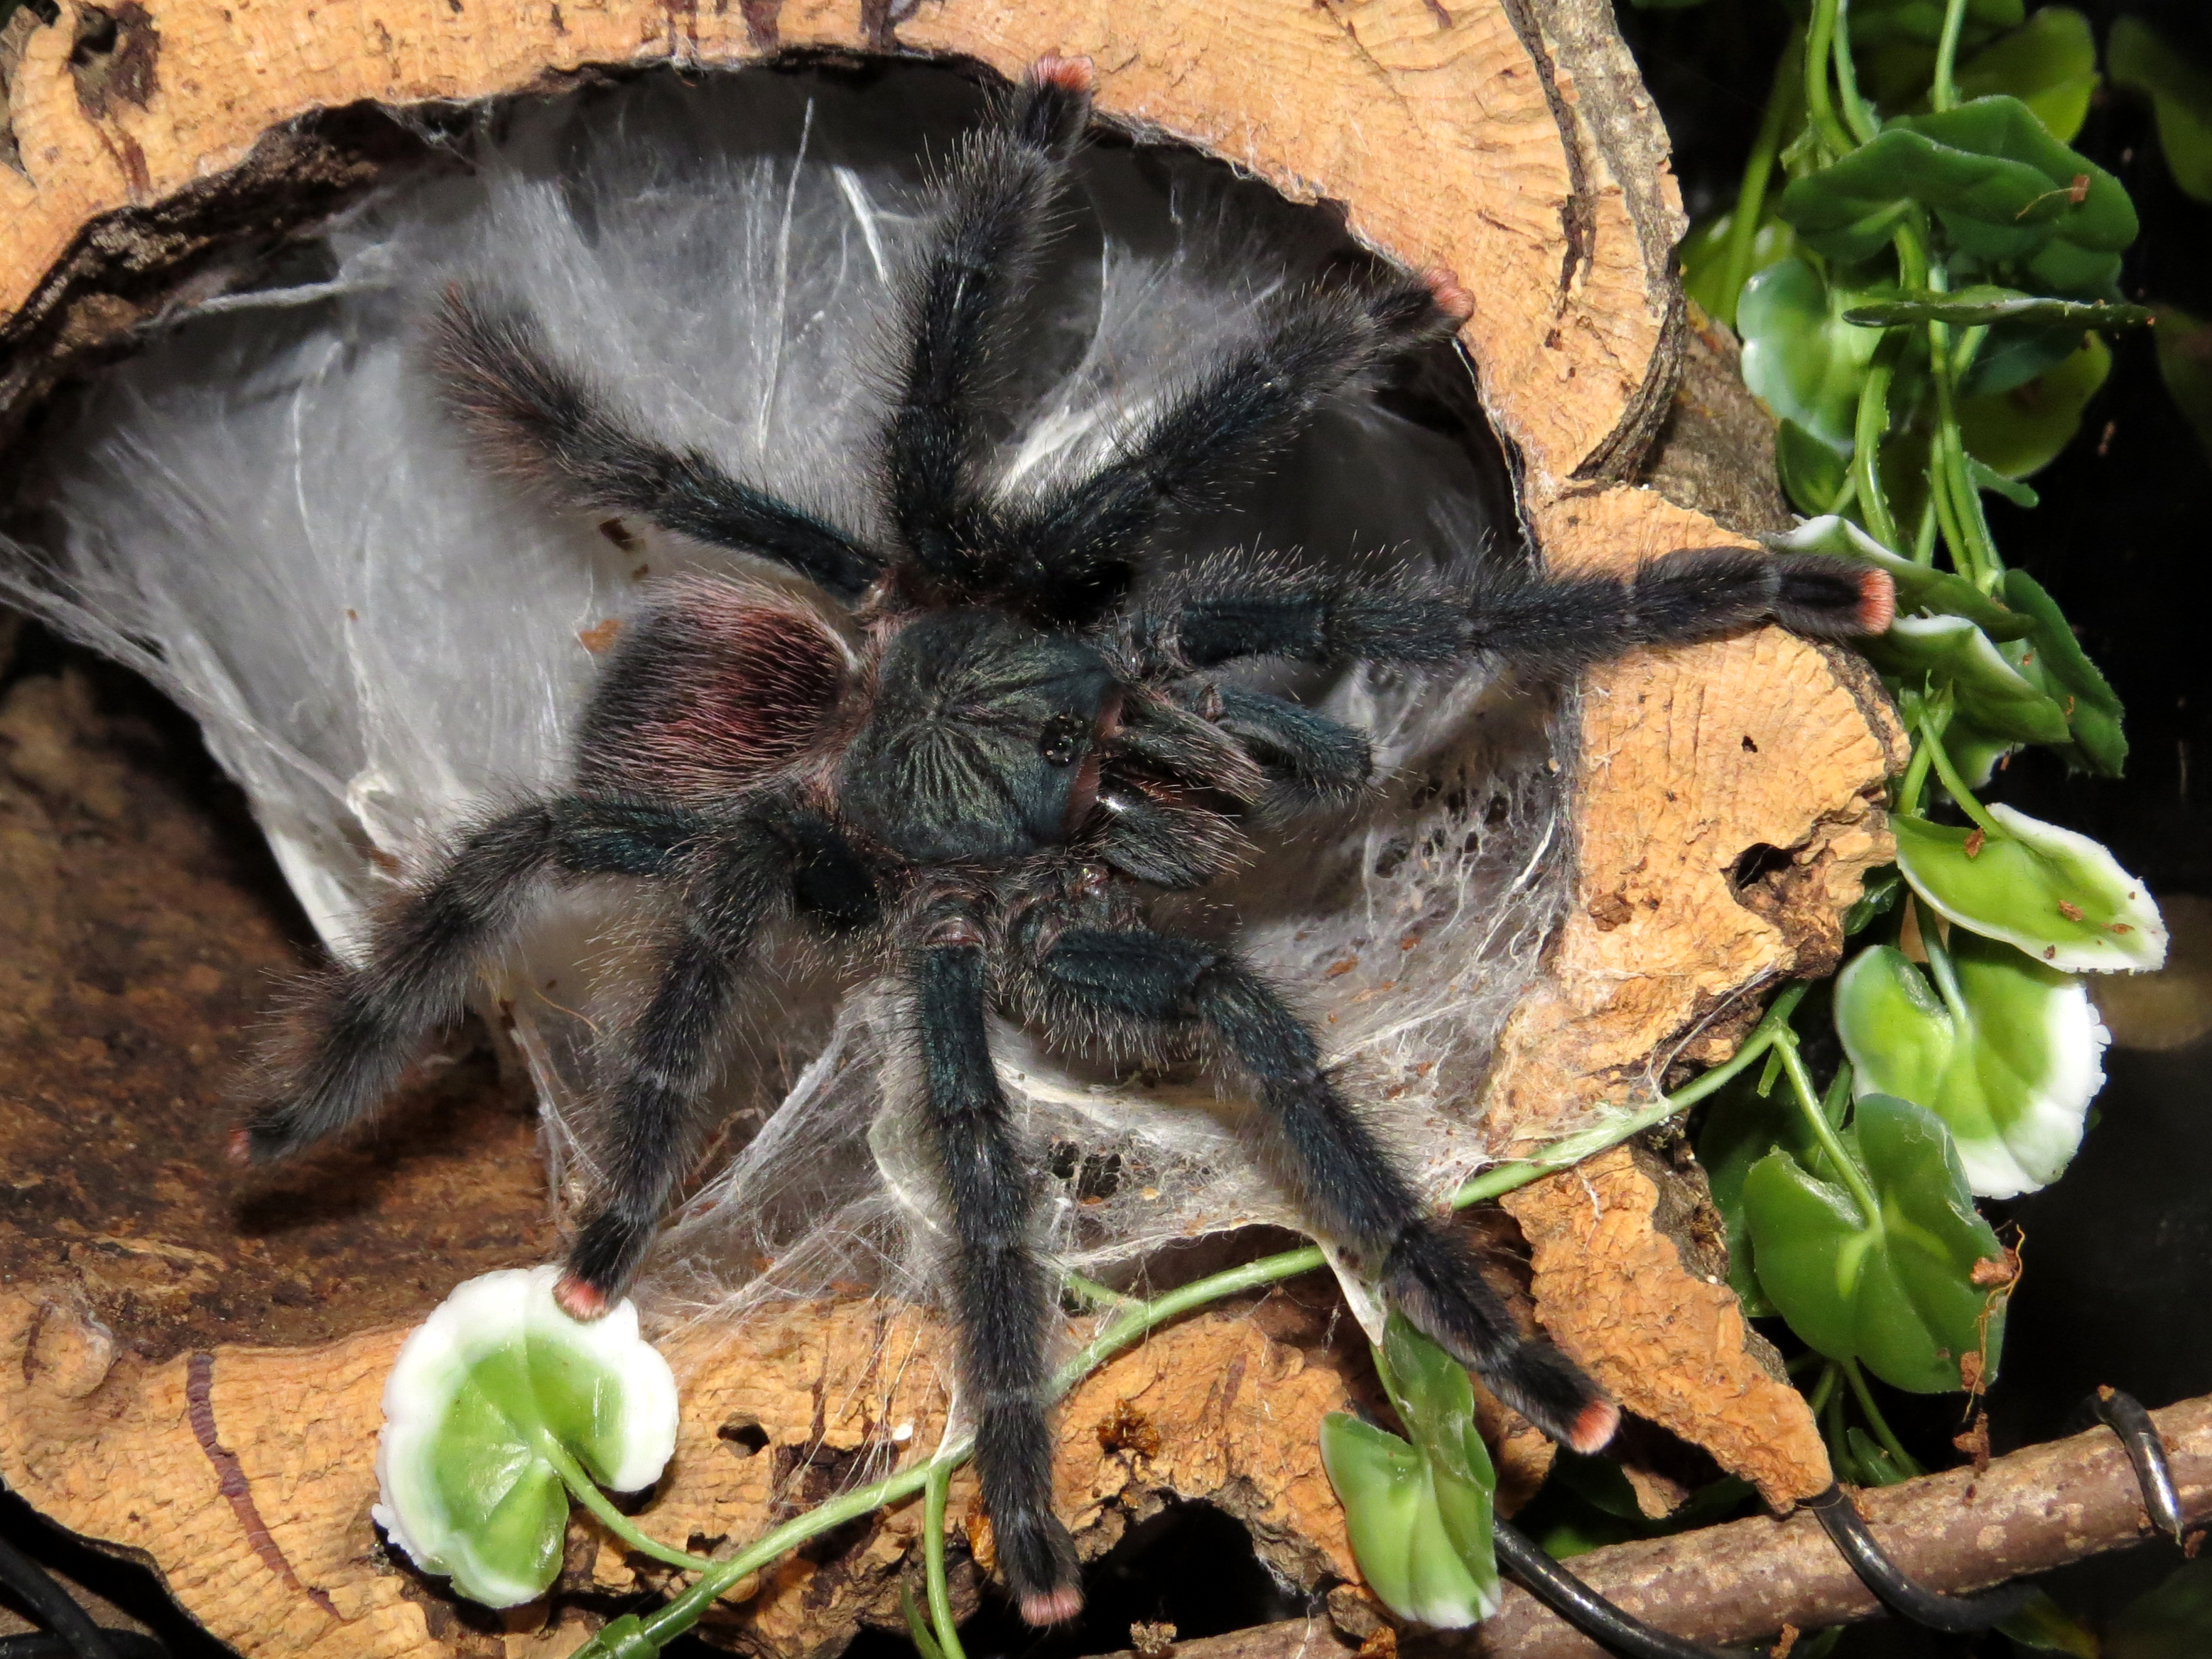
point(1931, 739)
point(681, 1613)
point(1944, 94)
point(586, 1491)
point(1939, 966)
point(1924, 538)
point(917, 1631)
point(932, 1560)
point(1868, 431)
point(1916, 779)
point(1808, 1103)
point(1858, 114)
point(1758, 173)
point(1838, 1095)
point(1877, 1422)
point(1831, 1374)
point(717, 1578)
point(1832, 1427)
point(1091, 1290)
point(1820, 44)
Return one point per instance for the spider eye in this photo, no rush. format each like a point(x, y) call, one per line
point(1061, 740)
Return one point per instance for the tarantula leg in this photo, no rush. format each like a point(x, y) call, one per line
point(542, 421)
point(1000, 1294)
point(1317, 341)
point(742, 881)
point(1561, 625)
point(1140, 980)
point(1000, 194)
point(1312, 616)
point(365, 1024)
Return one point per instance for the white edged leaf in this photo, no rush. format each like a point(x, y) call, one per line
point(2010, 1067)
point(2054, 893)
point(487, 1394)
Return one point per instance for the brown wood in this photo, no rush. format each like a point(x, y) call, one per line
point(143, 143)
point(2028, 1512)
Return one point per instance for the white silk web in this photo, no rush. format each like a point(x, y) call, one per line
point(266, 513)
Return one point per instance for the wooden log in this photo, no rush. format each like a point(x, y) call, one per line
point(145, 144)
point(2031, 1511)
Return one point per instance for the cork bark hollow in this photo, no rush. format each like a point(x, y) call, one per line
point(144, 142)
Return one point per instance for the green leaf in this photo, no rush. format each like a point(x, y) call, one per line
point(1919, 586)
point(2053, 658)
point(2022, 430)
point(1800, 357)
point(1893, 1290)
point(1435, 1402)
point(1879, 22)
point(1983, 477)
point(1976, 752)
point(2047, 1628)
point(489, 1396)
point(1419, 1515)
point(2010, 1066)
point(2055, 893)
point(1397, 1534)
point(1952, 651)
point(1704, 258)
point(2184, 363)
point(2049, 63)
point(2003, 189)
point(1877, 896)
point(1983, 302)
point(2180, 92)
point(1811, 473)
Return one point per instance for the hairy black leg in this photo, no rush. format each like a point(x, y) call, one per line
point(1317, 343)
point(998, 1286)
point(998, 197)
point(740, 882)
point(1561, 625)
point(544, 422)
point(1345, 1180)
point(1317, 617)
point(365, 1024)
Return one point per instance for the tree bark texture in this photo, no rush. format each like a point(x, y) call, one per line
point(149, 148)
point(2027, 1512)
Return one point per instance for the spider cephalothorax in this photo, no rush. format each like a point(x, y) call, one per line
point(975, 751)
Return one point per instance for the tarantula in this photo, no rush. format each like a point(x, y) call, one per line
point(978, 760)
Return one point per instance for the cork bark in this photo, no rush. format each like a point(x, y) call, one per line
point(148, 147)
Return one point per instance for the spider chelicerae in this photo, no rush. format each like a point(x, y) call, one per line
point(975, 752)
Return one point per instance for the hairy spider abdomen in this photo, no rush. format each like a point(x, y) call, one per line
point(978, 748)
point(717, 686)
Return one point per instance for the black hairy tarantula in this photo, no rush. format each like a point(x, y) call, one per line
point(979, 767)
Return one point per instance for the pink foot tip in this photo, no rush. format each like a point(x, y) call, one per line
point(1595, 1426)
point(1054, 1607)
point(238, 1147)
point(1877, 601)
point(1454, 301)
point(578, 1300)
point(1077, 75)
